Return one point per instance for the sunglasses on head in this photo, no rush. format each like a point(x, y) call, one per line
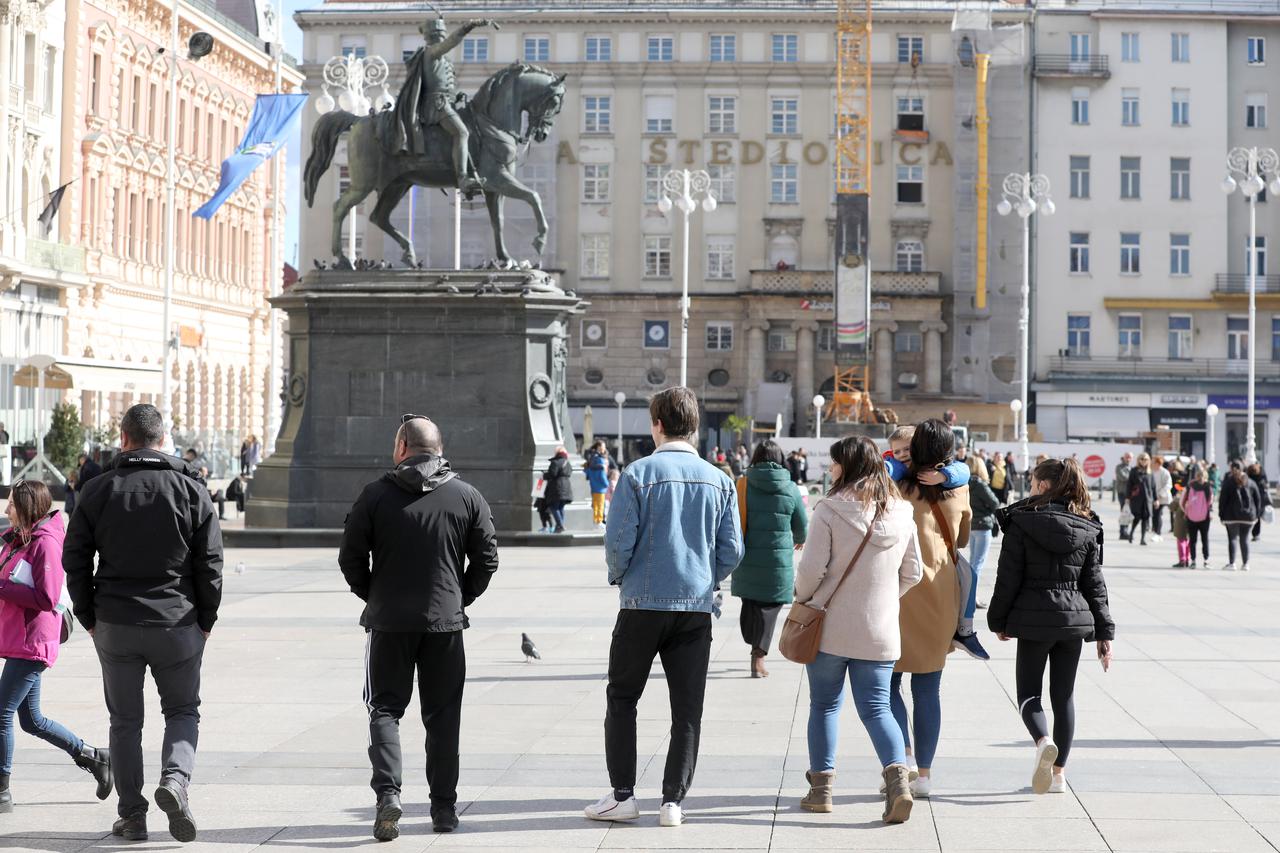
point(404, 419)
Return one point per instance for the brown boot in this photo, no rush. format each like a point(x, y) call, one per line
point(819, 797)
point(897, 794)
point(757, 664)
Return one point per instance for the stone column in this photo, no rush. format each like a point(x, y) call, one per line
point(804, 389)
point(932, 332)
point(884, 362)
point(6, 38)
point(756, 334)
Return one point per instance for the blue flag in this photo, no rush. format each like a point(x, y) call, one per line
point(273, 118)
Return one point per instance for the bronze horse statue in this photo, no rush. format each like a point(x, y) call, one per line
point(495, 118)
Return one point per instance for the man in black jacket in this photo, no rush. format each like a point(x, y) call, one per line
point(420, 522)
point(151, 603)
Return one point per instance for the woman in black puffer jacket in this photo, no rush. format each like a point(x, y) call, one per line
point(559, 491)
point(1239, 507)
point(1050, 595)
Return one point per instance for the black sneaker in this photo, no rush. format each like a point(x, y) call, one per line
point(97, 762)
point(969, 645)
point(444, 818)
point(386, 822)
point(131, 827)
point(171, 798)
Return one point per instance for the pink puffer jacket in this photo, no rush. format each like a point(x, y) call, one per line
point(30, 627)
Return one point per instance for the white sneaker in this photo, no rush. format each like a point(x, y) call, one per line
point(921, 786)
point(607, 808)
point(1229, 567)
point(1042, 776)
point(1244, 567)
point(670, 814)
point(1058, 785)
point(1155, 537)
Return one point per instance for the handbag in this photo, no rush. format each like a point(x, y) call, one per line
point(741, 486)
point(961, 562)
point(802, 632)
point(540, 488)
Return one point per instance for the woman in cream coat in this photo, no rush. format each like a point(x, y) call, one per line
point(860, 634)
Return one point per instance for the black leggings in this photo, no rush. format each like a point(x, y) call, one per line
point(1201, 529)
point(1237, 533)
point(1157, 520)
point(1062, 656)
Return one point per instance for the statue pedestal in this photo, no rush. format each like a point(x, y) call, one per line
point(482, 353)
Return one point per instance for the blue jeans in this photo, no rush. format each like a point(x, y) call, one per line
point(926, 700)
point(979, 544)
point(20, 691)
point(557, 513)
point(869, 681)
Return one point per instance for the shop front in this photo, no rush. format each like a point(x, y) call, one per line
point(1231, 430)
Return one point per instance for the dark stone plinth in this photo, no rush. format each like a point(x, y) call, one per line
point(482, 353)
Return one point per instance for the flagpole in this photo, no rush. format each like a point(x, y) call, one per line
point(170, 250)
point(276, 272)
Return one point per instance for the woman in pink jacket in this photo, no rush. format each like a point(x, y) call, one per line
point(31, 584)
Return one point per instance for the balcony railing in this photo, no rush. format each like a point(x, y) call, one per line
point(1065, 65)
point(55, 256)
point(1229, 369)
point(1239, 283)
point(822, 281)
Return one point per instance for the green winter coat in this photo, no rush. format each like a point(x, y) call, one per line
point(776, 522)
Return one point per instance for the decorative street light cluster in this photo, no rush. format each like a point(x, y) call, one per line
point(684, 189)
point(351, 75)
point(1252, 166)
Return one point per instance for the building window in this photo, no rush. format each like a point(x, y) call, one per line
point(910, 113)
point(595, 182)
point(1237, 338)
point(1179, 178)
point(475, 49)
point(1079, 106)
point(784, 113)
point(653, 175)
point(1129, 107)
point(826, 337)
point(1179, 336)
point(910, 184)
point(1179, 254)
point(657, 256)
point(719, 336)
point(1080, 177)
point(1260, 253)
point(781, 340)
point(1079, 252)
point(1257, 50)
point(724, 184)
point(353, 46)
point(786, 47)
point(1130, 253)
point(661, 49)
point(1081, 49)
point(1130, 177)
point(723, 48)
point(1181, 103)
point(1275, 338)
point(659, 111)
point(1255, 111)
point(722, 114)
point(597, 113)
point(595, 255)
point(1129, 47)
point(783, 183)
point(537, 48)
point(409, 45)
point(720, 257)
point(908, 342)
point(95, 82)
point(908, 256)
point(1078, 335)
point(1180, 47)
point(599, 49)
point(910, 48)
point(1130, 335)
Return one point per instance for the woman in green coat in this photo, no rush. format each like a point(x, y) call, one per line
point(775, 525)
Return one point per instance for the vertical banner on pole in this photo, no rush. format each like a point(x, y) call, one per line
point(853, 284)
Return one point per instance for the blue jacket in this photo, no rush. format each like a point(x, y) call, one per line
point(598, 474)
point(956, 473)
point(673, 533)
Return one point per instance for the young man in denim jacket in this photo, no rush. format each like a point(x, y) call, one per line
point(672, 536)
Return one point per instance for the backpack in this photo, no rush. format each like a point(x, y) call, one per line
point(1197, 504)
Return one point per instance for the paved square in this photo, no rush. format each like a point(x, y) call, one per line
point(1178, 746)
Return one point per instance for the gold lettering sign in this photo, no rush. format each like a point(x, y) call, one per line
point(914, 159)
point(941, 154)
point(752, 152)
point(657, 151)
point(721, 152)
point(815, 153)
point(564, 153)
point(877, 153)
point(688, 146)
point(783, 157)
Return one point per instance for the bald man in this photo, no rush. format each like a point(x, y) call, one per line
point(420, 523)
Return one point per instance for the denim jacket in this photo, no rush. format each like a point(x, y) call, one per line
point(673, 533)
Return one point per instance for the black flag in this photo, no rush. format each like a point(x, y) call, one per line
point(51, 209)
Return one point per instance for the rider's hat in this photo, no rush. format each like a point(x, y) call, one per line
point(435, 25)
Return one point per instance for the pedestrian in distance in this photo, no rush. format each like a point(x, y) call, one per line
point(1051, 597)
point(1163, 482)
point(598, 480)
point(87, 471)
point(32, 604)
point(403, 551)
point(1181, 530)
point(238, 491)
point(673, 536)
point(1141, 493)
point(1215, 477)
point(1197, 506)
point(255, 454)
point(928, 611)
point(559, 493)
point(795, 466)
point(774, 525)
point(151, 603)
point(1254, 473)
point(984, 504)
point(1239, 507)
point(218, 496)
point(1000, 479)
point(861, 558)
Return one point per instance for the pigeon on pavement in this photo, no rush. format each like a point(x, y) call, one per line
point(528, 648)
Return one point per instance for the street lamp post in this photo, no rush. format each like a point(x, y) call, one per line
point(620, 398)
point(683, 188)
point(1026, 193)
point(1210, 413)
point(1253, 166)
point(818, 402)
point(350, 75)
point(1015, 405)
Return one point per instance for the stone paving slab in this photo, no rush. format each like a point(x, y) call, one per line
point(1178, 747)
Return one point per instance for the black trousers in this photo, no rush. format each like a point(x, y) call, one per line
point(391, 657)
point(1201, 529)
point(758, 620)
point(1063, 658)
point(683, 642)
point(1237, 534)
point(1157, 520)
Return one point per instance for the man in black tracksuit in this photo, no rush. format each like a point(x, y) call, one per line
point(151, 603)
point(421, 524)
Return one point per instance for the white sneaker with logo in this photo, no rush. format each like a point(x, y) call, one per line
point(1058, 785)
point(670, 814)
point(607, 808)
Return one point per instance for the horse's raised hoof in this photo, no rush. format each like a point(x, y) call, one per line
point(540, 243)
point(410, 259)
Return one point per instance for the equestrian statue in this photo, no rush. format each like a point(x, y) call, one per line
point(434, 136)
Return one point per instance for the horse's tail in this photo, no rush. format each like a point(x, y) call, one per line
point(324, 141)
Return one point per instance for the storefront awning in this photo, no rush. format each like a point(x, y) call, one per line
point(89, 374)
point(604, 420)
point(1104, 422)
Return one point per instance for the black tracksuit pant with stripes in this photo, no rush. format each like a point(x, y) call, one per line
point(391, 659)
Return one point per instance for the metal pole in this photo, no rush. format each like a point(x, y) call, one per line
point(684, 293)
point(275, 276)
point(457, 229)
point(1024, 324)
point(817, 422)
point(1210, 454)
point(170, 240)
point(1251, 455)
point(620, 454)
